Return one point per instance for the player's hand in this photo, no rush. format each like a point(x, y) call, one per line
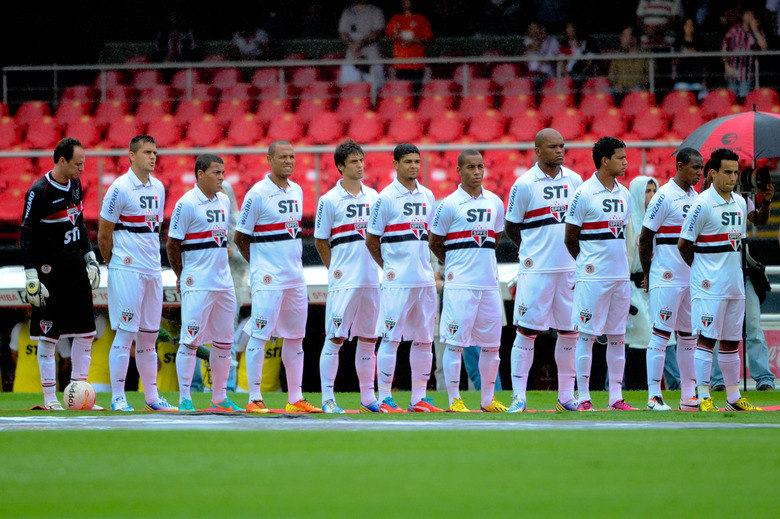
point(178, 285)
point(36, 291)
point(93, 269)
point(646, 283)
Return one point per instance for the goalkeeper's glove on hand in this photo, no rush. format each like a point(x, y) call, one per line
point(93, 269)
point(36, 291)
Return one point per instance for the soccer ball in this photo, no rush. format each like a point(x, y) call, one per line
point(79, 396)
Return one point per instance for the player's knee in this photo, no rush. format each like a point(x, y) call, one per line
point(371, 340)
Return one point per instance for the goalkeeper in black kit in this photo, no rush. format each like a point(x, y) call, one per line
point(60, 267)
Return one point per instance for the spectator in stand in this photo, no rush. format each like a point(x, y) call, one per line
point(409, 31)
point(744, 36)
point(626, 75)
point(689, 73)
point(360, 27)
point(177, 42)
point(657, 20)
point(249, 42)
point(575, 44)
point(539, 44)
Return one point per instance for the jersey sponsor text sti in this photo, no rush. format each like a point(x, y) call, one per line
point(469, 226)
point(271, 216)
point(136, 209)
point(716, 228)
point(342, 219)
point(401, 219)
point(202, 225)
point(538, 203)
point(602, 215)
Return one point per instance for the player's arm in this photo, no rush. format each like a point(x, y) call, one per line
point(498, 238)
point(323, 227)
point(36, 291)
point(375, 248)
point(515, 211)
point(686, 250)
point(173, 246)
point(323, 249)
point(436, 244)
point(646, 254)
point(572, 239)
point(242, 243)
point(512, 230)
point(105, 238)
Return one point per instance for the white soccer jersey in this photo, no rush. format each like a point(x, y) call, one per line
point(716, 227)
point(469, 226)
point(401, 218)
point(342, 219)
point(538, 204)
point(202, 225)
point(602, 215)
point(665, 215)
point(272, 217)
point(136, 209)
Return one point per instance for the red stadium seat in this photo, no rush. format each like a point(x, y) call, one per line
point(595, 103)
point(678, 100)
point(43, 133)
point(406, 127)
point(203, 131)
point(184, 78)
point(282, 91)
point(504, 72)
point(717, 100)
point(302, 76)
point(147, 111)
point(579, 160)
point(488, 127)
point(525, 125)
point(67, 111)
point(189, 109)
point(356, 89)
point(245, 130)
point(595, 85)
point(552, 104)
point(310, 107)
point(121, 93)
point(733, 109)
point(264, 77)
point(516, 104)
point(84, 93)
point(226, 77)
point(325, 128)
point(390, 107)
point(474, 71)
point(149, 78)
point(285, 126)
point(610, 123)
point(516, 86)
point(446, 126)
point(442, 87)
point(229, 109)
point(349, 107)
point(30, 110)
point(267, 109)
point(109, 78)
point(396, 88)
point(366, 127)
point(474, 106)
point(243, 91)
point(553, 85)
point(318, 90)
point(432, 105)
point(85, 129)
point(121, 130)
point(166, 130)
point(10, 133)
point(479, 86)
point(571, 123)
point(764, 98)
point(650, 124)
point(109, 111)
point(685, 122)
point(636, 102)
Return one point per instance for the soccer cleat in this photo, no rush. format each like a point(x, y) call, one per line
point(120, 404)
point(425, 405)
point(160, 405)
point(301, 406)
point(621, 405)
point(257, 407)
point(657, 404)
point(388, 405)
point(585, 405)
point(186, 406)
point(707, 404)
point(517, 406)
point(226, 406)
point(331, 407)
point(742, 405)
point(54, 405)
point(718, 387)
point(570, 405)
point(494, 407)
point(457, 406)
point(373, 407)
point(692, 404)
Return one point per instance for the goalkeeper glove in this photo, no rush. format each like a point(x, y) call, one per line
point(93, 269)
point(36, 291)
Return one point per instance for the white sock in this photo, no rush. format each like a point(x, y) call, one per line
point(47, 365)
point(729, 366)
point(451, 362)
point(185, 369)
point(655, 358)
point(616, 365)
point(365, 366)
point(521, 360)
point(686, 346)
point(488, 371)
point(565, 359)
point(219, 359)
point(119, 360)
point(385, 364)
point(292, 357)
point(146, 362)
point(584, 360)
point(420, 360)
point(255, 355)
point(80, 357)
point(702, 365)
point(329, 366)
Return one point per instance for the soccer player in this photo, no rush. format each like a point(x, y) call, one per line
point(466, 227)
point(397, 240)
point(353, 279)
point(598, 213)
point(60, 267)
point(536, 213)
point(667, 277)
point(268, 235)
point(197, 251)
point(711, 243)
point(129, 240)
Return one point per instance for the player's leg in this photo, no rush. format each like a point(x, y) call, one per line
point(390, 326)
point(615, 329)
point(219, 329)
point(146, 343)
point(337, 325)
point(455, 325)
point(731, 314)
point(663, 316)
point(533, 302)
point(702, 322)
point(260, 327)
point(363, 326)
point(566, 343)
point(125, 293)
point(686, 348)
point(193, 305)
point(291, 326)
point(487, 333)
point(79, 316)
point(421, 317)
point(588, 318)
point(47, 364)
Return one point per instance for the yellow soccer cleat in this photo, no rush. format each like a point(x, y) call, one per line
point(494, 407)
point(458, 406)
point(301, 406)
point(706, 404)
point(742, 405)
point(257, 407)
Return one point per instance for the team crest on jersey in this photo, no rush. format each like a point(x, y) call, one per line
point(590, 269)
point(665, 314)
point(45, 269)
point(389, 324)
point(585, 316)
point(261, 322)
point(418, 228)
point(735, 239)
point(528, 263)
point(189, 281)
point(127, 260)
point(522, 309)
point(337, 321)
point(667, 275)
point(390, 275)
point(616, 227)
point(450, 276)
point(127, 315)
point(452, 328)
point(558, 211)
point(219, 236)
point(706, 284)
point(45, 326)
point(360, 228)
point(479, 236)
point(192, 329)
point(267, 279)
point(292, 228)
point(337, 274)
point(73, 213)
point(152, 222)
point(706, 320)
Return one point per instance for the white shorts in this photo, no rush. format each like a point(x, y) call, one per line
point(719, 319)
point(351, 312)
point(406, 314)
point(601, 306)
point(670, 308)
point(471, 318)
point(207, 316)
point(134, 300)
point(544, 301)
point(278, 313)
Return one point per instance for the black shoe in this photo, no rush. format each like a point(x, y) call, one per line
point(719, 387)
point(765, 387)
